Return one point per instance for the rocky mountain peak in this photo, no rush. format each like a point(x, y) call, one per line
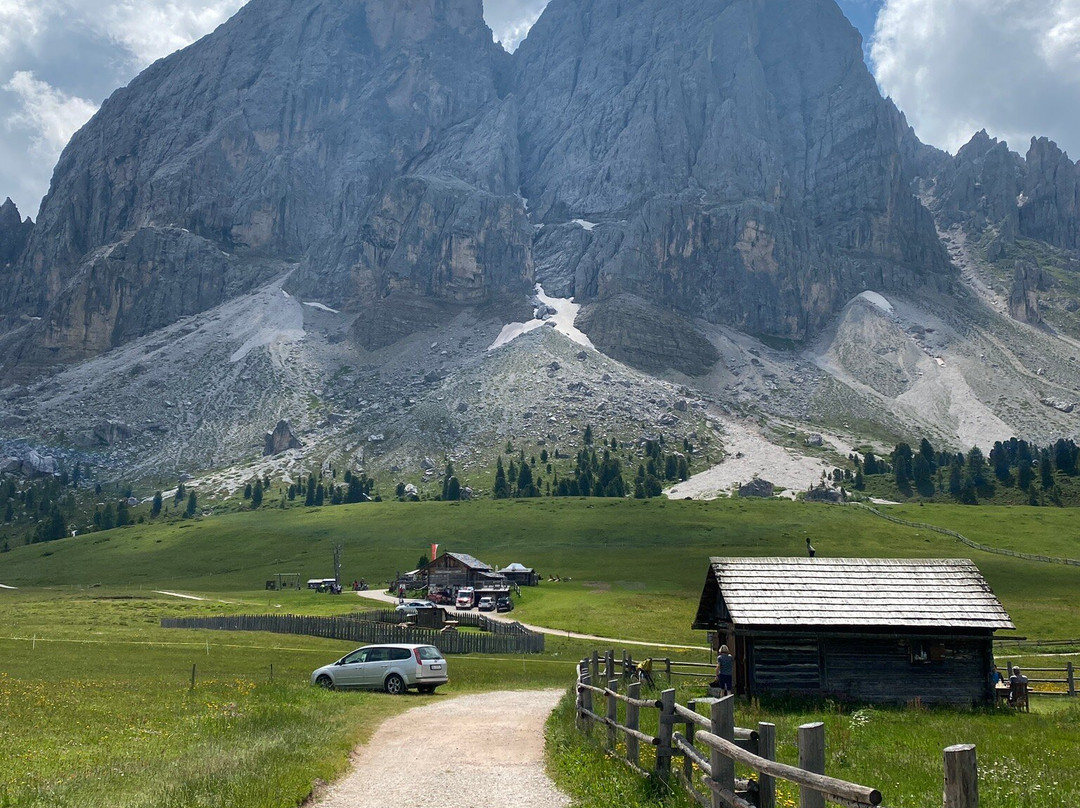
point(14, 232)
point(1036, 196)
point(736, 157)
point(361, 146)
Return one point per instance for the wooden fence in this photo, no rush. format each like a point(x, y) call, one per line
point(701, 756)
point(480, 621)
point(1072, 562)
point(510, 638)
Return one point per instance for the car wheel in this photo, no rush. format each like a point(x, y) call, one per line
point(394, 685)
point(426, 689)
point(325, 682)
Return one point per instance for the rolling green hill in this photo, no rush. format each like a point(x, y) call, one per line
point(641, 563)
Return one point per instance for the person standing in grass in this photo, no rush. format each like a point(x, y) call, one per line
point(725, 665)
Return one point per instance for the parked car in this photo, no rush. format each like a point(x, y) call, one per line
point(504, 604)
point(394, 668)
point(411, 607)
point(465, 598)
point(487, 604)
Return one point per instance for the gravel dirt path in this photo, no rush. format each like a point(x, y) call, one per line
point(464, 752)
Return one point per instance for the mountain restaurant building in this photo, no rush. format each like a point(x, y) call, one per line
point(864, 629)
point(454, 570)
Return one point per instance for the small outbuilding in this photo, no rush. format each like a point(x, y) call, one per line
point(520, 574)
point(863, 629)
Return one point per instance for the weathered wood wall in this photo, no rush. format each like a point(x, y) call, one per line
point(874, 669)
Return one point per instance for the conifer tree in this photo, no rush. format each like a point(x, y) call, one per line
point(155, 506)
point(123, 515)
point(192, 505)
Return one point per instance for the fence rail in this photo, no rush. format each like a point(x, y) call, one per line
point(1072, 562)
point(711, 745)
point(511, 640)
point(1064, 684)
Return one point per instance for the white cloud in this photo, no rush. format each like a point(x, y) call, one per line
point(47, 116)
point(151, 29)
point(19, 20)
point(1010, 66)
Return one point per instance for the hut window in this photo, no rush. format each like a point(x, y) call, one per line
point(920, 652)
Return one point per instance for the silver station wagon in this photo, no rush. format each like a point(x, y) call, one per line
point(394, 668)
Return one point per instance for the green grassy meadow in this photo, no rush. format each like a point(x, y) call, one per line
point(99, 708)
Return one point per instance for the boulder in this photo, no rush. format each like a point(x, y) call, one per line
point(36, 465)
point(757, 488)
point(110, 433)
point(10, 465)
point(281, 440)
point(1058, 404)
point(815, 439)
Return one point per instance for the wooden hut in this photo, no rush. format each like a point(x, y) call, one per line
point(520, 574)
point(864, 629)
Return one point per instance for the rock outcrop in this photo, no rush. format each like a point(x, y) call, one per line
point(1028, 280)
point(14, 233)
point(757, 487)
point(629, 329)
point(281, 440)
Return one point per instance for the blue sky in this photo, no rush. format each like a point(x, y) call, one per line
point(952, 66)
point(863, 14)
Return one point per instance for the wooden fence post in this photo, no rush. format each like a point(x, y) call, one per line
point(767, 750)
point(612, 714)
point(723, 767)
point(595, 667)
point(961, 777)
point(667, 665)
point(812, 759)
point(1070, 675)
point(609, 666)
point(691, 727)
point(579, 717)
point(667, 727)
point(633, 720)
point(192, 677)
point(588, 702)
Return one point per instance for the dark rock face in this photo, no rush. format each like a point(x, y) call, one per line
point(281, 440)
point(737, 155)
point(14, 233)
point(363, 140)
point(628, 329)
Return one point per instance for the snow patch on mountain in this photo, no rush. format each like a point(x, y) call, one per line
point(565, 315)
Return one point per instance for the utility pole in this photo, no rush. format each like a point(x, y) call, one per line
point(338, 548)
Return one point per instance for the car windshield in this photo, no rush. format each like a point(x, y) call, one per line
point(429, 652)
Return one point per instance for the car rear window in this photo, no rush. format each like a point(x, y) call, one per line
point(429, 652)
point(399, 653)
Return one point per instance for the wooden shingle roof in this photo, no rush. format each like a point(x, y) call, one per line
point(850, 592)
point(470, 562)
